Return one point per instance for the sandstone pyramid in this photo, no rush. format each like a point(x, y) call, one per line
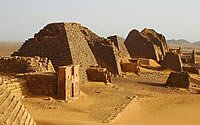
point(119, 44)
point(104, 50)
point(146, 44)
point(63, 43)
point(157, 39)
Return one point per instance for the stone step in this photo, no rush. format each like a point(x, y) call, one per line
point(17, 119)
point(16, 86)
point(16, 90)
point(6, 109)
point(6, 103)
point(23, 118)
point(2, 89)
point(31, 122)
point(11, 87)
point(13, 113)
point(4, 96)
point(28, 118)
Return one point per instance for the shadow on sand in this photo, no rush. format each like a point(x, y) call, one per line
point(153, 84)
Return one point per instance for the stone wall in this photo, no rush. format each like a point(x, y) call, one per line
point(25, 64)
point(16, 86)
point(12, 110)
point(64, 44)
point(41, 83)
point(189, 57)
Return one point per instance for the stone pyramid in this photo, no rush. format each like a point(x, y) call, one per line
point(63, 43)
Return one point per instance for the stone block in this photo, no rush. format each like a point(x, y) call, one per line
point(99, 74)
point(178, 79)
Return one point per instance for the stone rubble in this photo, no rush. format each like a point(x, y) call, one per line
point(17, 64)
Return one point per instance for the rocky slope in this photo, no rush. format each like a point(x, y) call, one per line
point(183, 43)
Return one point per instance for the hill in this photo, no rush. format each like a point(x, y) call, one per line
point(196, 43)
point(183, 43)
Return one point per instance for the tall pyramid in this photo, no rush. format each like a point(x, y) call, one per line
point(146, 44)
point(63, 43)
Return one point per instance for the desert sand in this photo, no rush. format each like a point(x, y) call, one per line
point(117, 104)
point(134, 100)
point(168, 111)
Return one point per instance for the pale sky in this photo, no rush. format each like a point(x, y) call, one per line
point(176, 19)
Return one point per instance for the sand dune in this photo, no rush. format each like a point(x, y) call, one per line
point(172, 114)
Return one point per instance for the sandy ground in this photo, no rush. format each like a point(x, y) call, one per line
point(7, 48)
point(101, 104)
point(107, 104)
point(163, 110)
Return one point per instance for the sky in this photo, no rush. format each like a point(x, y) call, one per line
point(176, 19)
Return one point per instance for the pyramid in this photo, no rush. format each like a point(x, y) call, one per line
point(119, 44)
point(63, 43)
point(146, 44)
point(104, 50)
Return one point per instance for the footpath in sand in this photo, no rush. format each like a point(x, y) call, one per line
point(99, 105)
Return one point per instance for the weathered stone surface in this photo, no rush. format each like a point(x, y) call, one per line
point(40, 83)
point(11, 109)
point(146, 44)
point(195, 81)
point(104, 50)
point(189, 58)
point(157, 39)
point(140, 47)
point(148, 63)
point(68, 86)
point(18, 64)
point(64, 44)
point(191, 69)
point(176, 50)
point(18, 87)
point(130, 67)
point(178, 79)
point(106, 56)
point(122, 50)
point(172, 61)
point(99, 74)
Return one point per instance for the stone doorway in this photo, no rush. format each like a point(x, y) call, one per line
point(68, 82)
